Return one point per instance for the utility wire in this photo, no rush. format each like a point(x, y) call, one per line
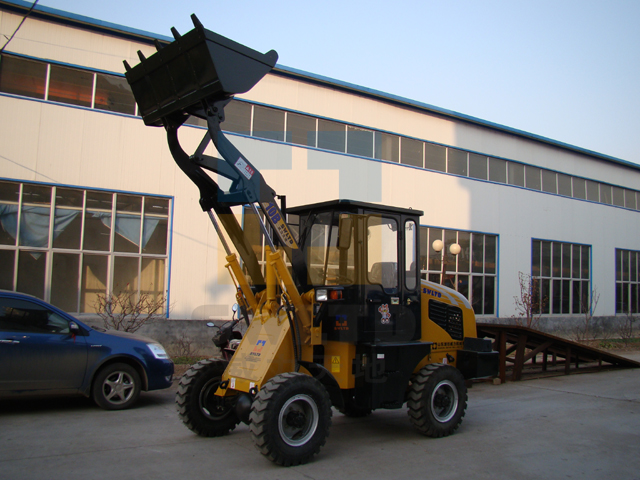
point(16, 30)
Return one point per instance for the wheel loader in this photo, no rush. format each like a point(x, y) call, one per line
point(340, 317)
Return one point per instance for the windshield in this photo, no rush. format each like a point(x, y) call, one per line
point(330, 249)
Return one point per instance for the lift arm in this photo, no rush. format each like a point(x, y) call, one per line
point(198, 74)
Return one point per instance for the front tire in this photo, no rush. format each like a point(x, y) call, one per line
point(116, 387)
point(290, 418)
point(198, 407)
point(437, 400)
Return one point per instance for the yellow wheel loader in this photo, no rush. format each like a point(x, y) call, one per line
point(340, 317)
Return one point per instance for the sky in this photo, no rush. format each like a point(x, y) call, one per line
point(568, 70)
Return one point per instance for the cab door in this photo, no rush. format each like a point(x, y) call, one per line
point(390, 303)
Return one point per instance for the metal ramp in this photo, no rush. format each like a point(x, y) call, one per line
point(526, 353)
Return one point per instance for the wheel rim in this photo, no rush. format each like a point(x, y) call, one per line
point(118, 388)
point(444, 401)
point(298, 420)
point(211, 406)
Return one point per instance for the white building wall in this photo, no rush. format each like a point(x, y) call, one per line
point(66, 145)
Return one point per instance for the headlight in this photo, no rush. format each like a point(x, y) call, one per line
point(321, 295)
point(158, 351)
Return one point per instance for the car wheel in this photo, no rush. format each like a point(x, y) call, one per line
point(116, 386)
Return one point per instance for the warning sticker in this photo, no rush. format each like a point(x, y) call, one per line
point(244, 168)
point(335, 364)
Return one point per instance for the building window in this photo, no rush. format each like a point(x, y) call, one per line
point(457, 162)
point(301, 130)
point(516, 174)
point(435, 157)
point(561, 277)
point(70, 85)
point(387, 147)
point(477, 166)
point(497, 170)
point(114, 94)
point(473, 272)
point(268, 123)
point(532, 177)
point(331, 135)
point(360, 141)
point(411, 152)
point(20, 76)
point(67, 245)
point(627, 281)
point(237, 118)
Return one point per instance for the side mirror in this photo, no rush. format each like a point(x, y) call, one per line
point(235, 307)
point(73, 327)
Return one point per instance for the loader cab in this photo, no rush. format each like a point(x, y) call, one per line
point(362, 261)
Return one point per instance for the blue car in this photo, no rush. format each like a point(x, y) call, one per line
point(45, 351)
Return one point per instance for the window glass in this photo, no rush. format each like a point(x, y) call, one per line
point(562, 272)
point(7, 260)
point(20, 76)
point(457, 162)
point(387, 147)
point(70, 85)
point(128, 223)
point(67, 276)
point(630, 199)
point(93, 281)
point(382, 252)
point(125, 274)
point(67, 228)
point(331, 135)
point(605, 194)
point(9, 201)
point(237, 117)
point(532, 177)
point(516, 174)
point(268, 123)
point(478, 254)
point(497, 170)
point(549, 181)
point(410, 255)
point(35, 215)
point(435, 157)
point(152, 277)
point(464, 257)
point(359, 141)
point(331, 259)
point(564, 184)
point(31, 272)
point(97, 221)
point(411, 152)
point(64, 281)
point(579, 188)
point(593, 191)
point(24, 316)
point(301, 130)
point(114, 94)
point(477, 166)
point(618, 196)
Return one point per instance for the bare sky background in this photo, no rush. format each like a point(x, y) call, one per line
point(568, 70)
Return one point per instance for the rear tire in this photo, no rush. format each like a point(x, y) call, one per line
point(437, 400)
point(198, 407)
point(290, 418)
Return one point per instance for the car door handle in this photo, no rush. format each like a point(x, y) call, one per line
point(9, 341)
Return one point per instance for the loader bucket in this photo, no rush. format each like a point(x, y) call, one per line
point(199, 65)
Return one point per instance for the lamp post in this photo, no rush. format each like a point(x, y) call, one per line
point(438, 246)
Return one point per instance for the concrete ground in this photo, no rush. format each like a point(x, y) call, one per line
point(583, 426)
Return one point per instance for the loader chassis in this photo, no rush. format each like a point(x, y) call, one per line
point(340, 316)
